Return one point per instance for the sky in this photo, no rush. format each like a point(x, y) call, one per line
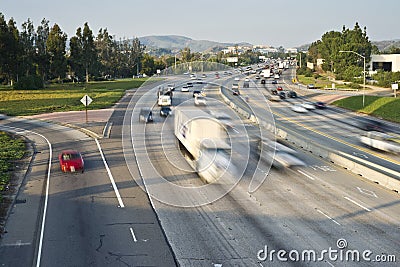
point(287, 23)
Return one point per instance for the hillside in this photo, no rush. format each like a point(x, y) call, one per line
point(176, 42)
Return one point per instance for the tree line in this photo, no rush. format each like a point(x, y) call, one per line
point(32, 56)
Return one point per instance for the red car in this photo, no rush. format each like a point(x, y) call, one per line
point(279, 88)
point(71, 161)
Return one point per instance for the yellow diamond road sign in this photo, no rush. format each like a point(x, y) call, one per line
point(86, 100)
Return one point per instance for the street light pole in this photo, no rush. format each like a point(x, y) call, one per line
point(363, 96)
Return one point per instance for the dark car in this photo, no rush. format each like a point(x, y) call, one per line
point(71, 161)
point(282, 95)
point(320, 105)
point(196, 92)
point(263, 81)
point(370, 125)
point(274, 91)
point(165, 111)
point(236, 91)
point(274, 82)
point(292, 94)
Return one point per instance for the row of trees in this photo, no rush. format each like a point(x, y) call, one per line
point(43, 53)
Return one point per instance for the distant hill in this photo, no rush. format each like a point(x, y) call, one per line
point(386, 44)
point(176, 43)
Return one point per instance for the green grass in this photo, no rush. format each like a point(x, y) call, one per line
point(11, 149)
point(64, 97)
point(387, 108)
point(321, 82)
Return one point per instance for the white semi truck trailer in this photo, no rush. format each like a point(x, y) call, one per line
point(206, 140)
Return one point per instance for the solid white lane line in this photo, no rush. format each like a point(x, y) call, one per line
point(327, 216)
point(121, 204)
point(306, 175)
point(133, 235)
point(354, 202)
point(46, 198)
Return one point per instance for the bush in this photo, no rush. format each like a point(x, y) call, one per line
point(29, 82)
point(354, 86)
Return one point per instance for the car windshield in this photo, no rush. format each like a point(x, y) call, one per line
point(70, 156)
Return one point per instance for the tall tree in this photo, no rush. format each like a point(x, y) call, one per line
point(56, 44)
point(89, 53)
point(42, 57)
point(27, 42)
point(106, 51)
point(76, 66)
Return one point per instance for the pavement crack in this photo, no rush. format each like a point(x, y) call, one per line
point(101, 243)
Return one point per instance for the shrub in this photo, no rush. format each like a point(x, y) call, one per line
point(29, 82)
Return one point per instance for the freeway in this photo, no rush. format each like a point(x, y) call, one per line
point(310, 207)
point(149, 208)
point(332, 128)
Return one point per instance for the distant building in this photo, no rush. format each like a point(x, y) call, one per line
point(291, 50)
point(389, 62)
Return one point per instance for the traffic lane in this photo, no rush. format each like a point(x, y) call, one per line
point(329, 132)
point(220, 233)
point(19, 240)
point(323, 198)
point(91, 227)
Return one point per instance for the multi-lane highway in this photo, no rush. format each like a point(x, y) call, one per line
point(139, 203)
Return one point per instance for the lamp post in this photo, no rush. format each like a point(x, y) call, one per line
point(363, 98)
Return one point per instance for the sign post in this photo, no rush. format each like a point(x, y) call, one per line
point(395, 87)
point(86, 100)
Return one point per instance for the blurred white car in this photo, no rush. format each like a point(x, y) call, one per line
point(299, 109)
point(237, 79)
point(247, 80)
point(200, 100)
point(308, 105)
point(185, 88)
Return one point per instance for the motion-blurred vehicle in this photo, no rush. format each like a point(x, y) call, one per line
point(203, 75)
point(200, 100)
point(279, 88)
point(196, 93)
point(370, 125)
point(236, 91)
point(280, 155)
point(274, 82)
point(308, 105)
point(320, 105)
point(237, 79)
point(382, 141)
point(262, 81)
point(291, 94)
point(189, 84)
point(310, 86)
point(247, 79)
point(146, 115)
point(165, 111)
point(71, 161)
point(246, 84)
point(298, 108)
point(282, 95)
point(274, 91)
point(185, 88)
point(274, 98)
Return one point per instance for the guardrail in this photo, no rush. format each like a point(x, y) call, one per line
point(334, 156)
